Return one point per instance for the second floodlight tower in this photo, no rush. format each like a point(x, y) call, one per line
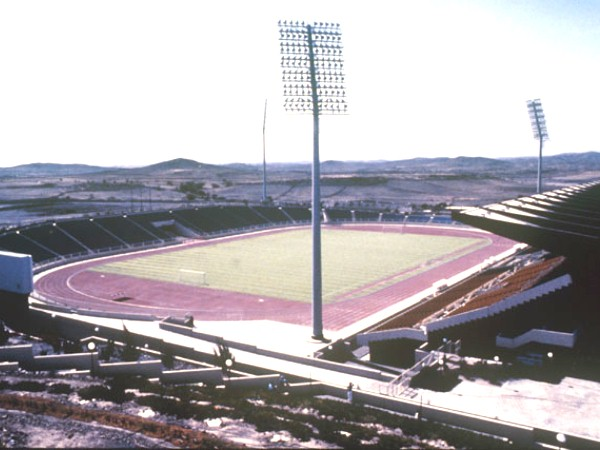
point(313, 82)
point(540, 132)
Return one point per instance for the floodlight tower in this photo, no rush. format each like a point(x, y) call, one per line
point(264, 193)
point(540, 132)
point(313, 82)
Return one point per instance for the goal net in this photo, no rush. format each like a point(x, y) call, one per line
point(192, 277)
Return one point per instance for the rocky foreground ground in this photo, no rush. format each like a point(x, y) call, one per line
point(44, 410)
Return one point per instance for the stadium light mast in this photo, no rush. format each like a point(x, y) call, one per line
point(264, 193)
point(540, 132)
point(313, 82)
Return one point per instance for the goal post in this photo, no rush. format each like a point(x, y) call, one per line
point(192, 277)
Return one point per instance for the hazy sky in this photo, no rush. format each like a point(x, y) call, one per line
point(137, 82)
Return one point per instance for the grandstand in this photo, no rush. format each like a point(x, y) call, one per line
point(541, 302)
point(415, 315)
point(505, 299)
point(519, 281)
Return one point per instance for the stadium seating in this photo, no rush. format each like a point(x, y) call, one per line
point(393, 217)
point(298, 213)
point(366, 216)
point(244, 217)
point(521, 280)
point(425, 309)
point(126, 229)
point(54, 239)
point(148, 220)
point(14, 242)
point(444, 219)
point(418, 218)
point(196, 219)
point(92, 235)
point(273, 215)
point(339, 215)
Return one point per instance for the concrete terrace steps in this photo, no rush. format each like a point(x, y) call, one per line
point(502, 305)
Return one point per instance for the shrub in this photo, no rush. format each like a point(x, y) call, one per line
point(60, 388)
point(299, 430)
point(264, 420)
point(29, 386)
point(98, 392)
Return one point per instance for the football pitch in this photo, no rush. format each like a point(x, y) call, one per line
point(279, 265)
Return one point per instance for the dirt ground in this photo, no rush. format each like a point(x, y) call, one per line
point(25, 430)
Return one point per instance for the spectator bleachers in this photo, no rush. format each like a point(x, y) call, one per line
point(126, 229)
point(339, 215)
point(444, 219)
point(147, 220)
point(242, 216)
point(14, 242)
point(425, 309)
point(521, 280)
point(90, 234)
point(53, 238)
point(272, 214)
point(93, 235)
point(418, 218)
point(194, 220)
point(363, 216)
point(299, 213)
point(392, 217)
point(227, 220)
point(203, 220)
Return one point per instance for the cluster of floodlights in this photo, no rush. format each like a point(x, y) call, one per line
point(540, 132)
point(312, 67)
point(538, 120)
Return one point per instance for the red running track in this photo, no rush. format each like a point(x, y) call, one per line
point(80, 288)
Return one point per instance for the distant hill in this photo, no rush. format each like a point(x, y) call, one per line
point(173, 165)
point(461, 164)
point(566, 162)
point(569, 162)
point(49, 169)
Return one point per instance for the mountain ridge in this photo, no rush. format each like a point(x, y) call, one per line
point(566, 161)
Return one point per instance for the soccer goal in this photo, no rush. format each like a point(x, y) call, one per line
point(192, 277)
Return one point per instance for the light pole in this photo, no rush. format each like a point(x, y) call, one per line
point(228, 366)
point(264, 193)
point(91, 346)
point(313, 82)
point(540, 132)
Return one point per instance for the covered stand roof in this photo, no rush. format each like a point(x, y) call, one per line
point(565, 221)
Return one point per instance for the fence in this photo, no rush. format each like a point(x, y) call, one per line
point(423, 359)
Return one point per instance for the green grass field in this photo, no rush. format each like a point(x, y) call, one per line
point(280, 265)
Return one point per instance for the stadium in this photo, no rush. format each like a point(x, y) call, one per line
point(250, 264)
point(404, 294)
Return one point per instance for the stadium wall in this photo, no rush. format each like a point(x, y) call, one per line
point(16, 273)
